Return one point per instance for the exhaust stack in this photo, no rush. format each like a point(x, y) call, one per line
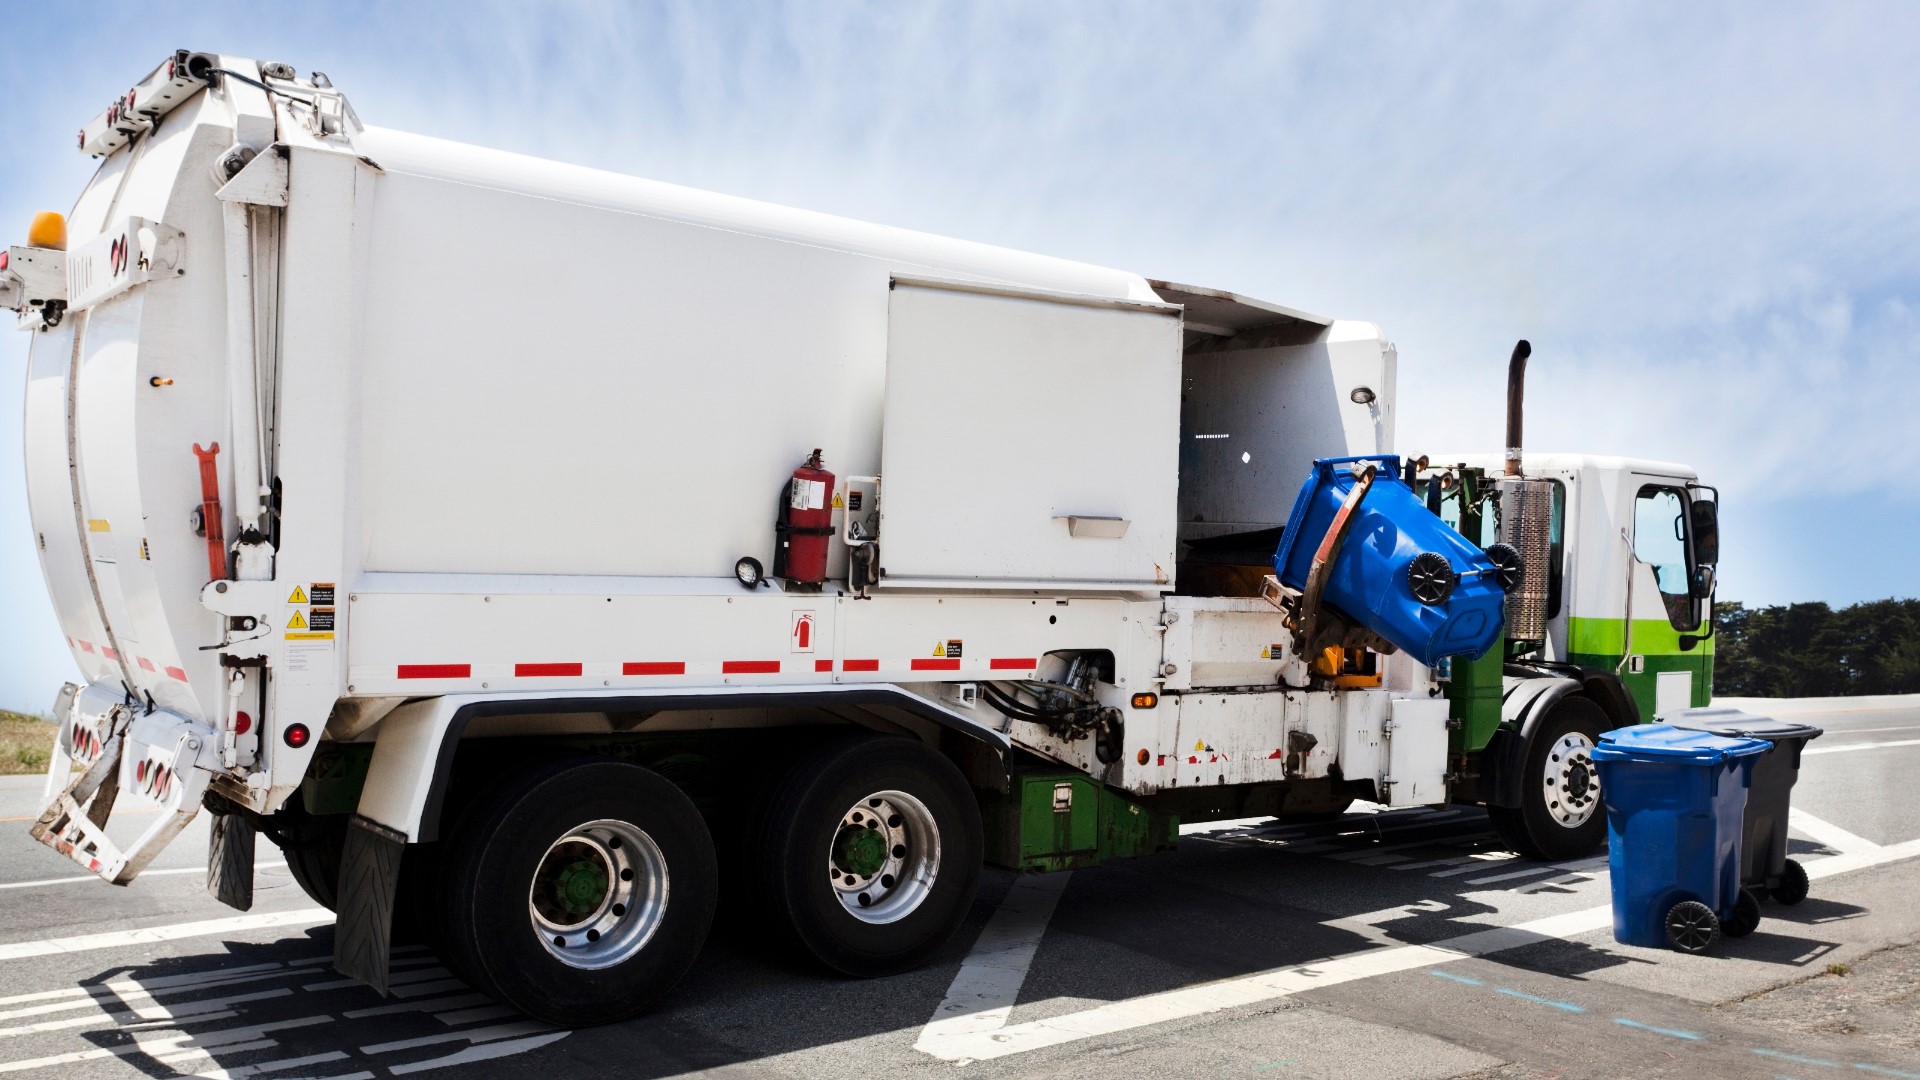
point(1516, 389)
point(1526, 518)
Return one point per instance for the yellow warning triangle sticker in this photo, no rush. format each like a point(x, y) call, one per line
point(838, 503)
point(939, 648)
point(1200, 744)
point(1266, 653)
point(299, 596)
point(296, 623)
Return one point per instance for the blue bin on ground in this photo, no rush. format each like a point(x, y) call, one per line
point(1370, 581)
point(1675, 801)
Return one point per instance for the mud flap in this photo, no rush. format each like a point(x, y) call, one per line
point(369, 884)
point(230, 861)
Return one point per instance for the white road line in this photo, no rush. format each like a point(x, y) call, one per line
point(1846, 747)
point(1565, 879)
point(1453, 861)
point(484, 1052)
point(1483, 858)
point(1531, 871)
point(73, 878)
point(498, 1031)
point(983, 993)
point(1831, 835)
point(975, 1044)
point(458, 1001)
point(151, 935)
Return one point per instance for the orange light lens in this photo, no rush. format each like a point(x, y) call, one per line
point(1145, 701)
point(49, 230)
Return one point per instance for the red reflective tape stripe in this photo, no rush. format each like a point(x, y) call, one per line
point(1013, 663)
point(937, 665)
point(109, 653)
point(535, 671)
point(147, 665)
point(86, 646)
point(749, 667)
point(860, 665)
point(177, 673)
point(823, 665)
point(655, 667)
point(436, 671)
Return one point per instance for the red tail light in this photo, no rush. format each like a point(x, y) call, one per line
point(297, 735)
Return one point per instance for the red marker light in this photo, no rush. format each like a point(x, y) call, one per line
point(242, 723)
point(3, 260)
point(297, 735)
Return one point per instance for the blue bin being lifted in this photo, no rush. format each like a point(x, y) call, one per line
point(1675, 801)
point(1394, 546)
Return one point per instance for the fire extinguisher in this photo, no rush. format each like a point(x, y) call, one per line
point(805, 525)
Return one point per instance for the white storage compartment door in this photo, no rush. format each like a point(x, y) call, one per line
point(1031, 440)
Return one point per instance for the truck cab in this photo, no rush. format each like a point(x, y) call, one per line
point(1632, 547)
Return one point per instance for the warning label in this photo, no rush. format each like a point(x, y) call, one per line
point(807, 494)
point(297, 622)
point(320, 592)
point(320, 618)
point(802, 634)
point(948, 649)
point(299, 596)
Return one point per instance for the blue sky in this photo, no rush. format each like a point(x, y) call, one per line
point(1705, 217)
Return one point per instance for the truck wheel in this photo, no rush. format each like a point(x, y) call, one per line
point(872, 854)
point(580, 892)
point(313, 849)
point(1559, 816)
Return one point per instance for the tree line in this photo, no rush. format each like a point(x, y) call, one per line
point(1812, 650)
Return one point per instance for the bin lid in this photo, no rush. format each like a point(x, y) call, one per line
point(1736, 724)
point(1666, 744)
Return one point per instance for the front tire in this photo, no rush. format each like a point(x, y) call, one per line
point(1560, 815)
point(579, 893)
point(872, 854)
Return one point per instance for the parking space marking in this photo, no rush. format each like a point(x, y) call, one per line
point(74, 878)
point(1846, 747)
point(115, 939)
point(958, 1045)
point(1829, 834)
point(983, 993)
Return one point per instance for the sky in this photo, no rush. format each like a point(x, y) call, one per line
point(1705, 217)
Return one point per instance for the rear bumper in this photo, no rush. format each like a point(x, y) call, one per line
point(130, 754)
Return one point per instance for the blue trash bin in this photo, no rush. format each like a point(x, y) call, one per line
point(1675, 799)
point(1370, 582)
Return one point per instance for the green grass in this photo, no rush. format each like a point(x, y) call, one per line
point(26, 744)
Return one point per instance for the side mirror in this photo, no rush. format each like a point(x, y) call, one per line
point(1703, 582)
point(1705, 517)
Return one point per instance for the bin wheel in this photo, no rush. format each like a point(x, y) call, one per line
point(1746, 916)
point(872, 854)
point(1793, 885)
point(1692, 927)
point(1559, 816)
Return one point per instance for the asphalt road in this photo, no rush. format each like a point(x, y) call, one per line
point(1386, 944)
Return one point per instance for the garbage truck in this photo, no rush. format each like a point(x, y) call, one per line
point(538, 555)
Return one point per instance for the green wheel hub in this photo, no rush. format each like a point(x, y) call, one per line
point(580, 886)
point(860, 850)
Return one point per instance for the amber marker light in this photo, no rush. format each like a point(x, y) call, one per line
point(49, 230)
point(1145, 701)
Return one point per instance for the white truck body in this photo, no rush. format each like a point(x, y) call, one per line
point(509, 423)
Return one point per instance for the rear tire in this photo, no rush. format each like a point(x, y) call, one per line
point(872, 854)
point(1794, 884)
point(1746, 916)
point(1692, 927)
point(580, 892)
point(1559, 816)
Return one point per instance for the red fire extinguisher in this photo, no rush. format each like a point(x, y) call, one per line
point(805, 526)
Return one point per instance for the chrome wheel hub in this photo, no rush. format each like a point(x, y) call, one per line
point(884, 856)
point(1570, 784)
point(599, 894)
